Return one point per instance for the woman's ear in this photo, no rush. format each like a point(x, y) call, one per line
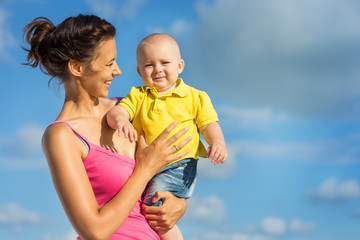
point(181, 65)
point(75, 68)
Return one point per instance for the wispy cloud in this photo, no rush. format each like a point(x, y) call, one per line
point(301, 227)
point(26, 140)
point(299, 57)
point(22, 150)
point(7, 40)
point(278, 226)
point(20, 162)
point(334, 190)
point(110, 9)
point(269, 228)
point(207, 169)
point(70, 235)
point(342, 150)
point(15, 216)
point(177, 29)
point(212, 235)
point(245, 118)
point(273, 226)
point(130, 8)
point(206, 209)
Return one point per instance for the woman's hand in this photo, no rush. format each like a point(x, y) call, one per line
point(161, 151)
point(165, 216)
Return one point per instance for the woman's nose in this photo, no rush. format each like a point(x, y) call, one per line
point(117, 70)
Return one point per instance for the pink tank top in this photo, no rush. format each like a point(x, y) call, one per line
point(108, 172)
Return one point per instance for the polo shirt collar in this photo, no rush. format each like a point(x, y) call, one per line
point(181, 89)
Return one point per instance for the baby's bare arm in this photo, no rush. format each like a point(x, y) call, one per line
point(213, 135)
point(118, 118)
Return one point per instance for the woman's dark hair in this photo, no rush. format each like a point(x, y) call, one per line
point(75, 38)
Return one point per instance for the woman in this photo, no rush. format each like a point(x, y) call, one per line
point(93, 171)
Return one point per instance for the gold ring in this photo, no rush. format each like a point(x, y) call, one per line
point(175, 147)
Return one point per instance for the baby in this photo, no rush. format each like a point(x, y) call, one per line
point(164, 99)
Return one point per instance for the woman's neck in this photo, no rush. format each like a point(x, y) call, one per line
point(78, 101)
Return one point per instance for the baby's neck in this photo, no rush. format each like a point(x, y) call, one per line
point(162, 93)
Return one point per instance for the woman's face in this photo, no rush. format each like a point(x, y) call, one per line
point(102, 70)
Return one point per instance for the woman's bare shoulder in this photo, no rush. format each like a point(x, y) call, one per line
point(56, 134)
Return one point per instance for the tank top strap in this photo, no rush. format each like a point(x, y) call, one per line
point(116, 99)
point(80, 136)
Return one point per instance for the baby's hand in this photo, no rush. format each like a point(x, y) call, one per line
point(217, 153)
point(128, 130)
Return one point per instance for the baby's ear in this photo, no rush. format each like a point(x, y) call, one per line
point(181, 65)
point(138, 70)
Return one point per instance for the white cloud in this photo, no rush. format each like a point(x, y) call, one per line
point(130, 8)
point(342, 150)
point(274, 151)
point(177, 29)
point(26, 140)
point(245, 118)
point(298, 226)
point(157, 29)
point(208, 209)
point(16, 163)
point(331, 189)
point(293, 56)
point(13, 214)
point(7, 40)
point(229, 236)
point(269, 228)
point(22, 150)
point(278, 226)
point(104, 8)
point(207, 169)
point(273, 226)
point(110, 9)
point(70, 235)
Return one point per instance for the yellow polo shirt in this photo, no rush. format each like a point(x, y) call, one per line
point(151, 113)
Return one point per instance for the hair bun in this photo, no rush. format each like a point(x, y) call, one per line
point(35, 33)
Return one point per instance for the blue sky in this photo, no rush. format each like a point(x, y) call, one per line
point(283, 76)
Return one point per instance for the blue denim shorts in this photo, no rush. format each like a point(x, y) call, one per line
point(178, 178)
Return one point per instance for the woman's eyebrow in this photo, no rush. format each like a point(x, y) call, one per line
point(112, 60)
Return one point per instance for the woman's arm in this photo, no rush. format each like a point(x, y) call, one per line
point(165, 217)
point(65, 153)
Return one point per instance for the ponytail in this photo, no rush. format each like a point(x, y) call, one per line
point(35, 33)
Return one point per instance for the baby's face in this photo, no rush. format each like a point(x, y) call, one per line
point(159, 64)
